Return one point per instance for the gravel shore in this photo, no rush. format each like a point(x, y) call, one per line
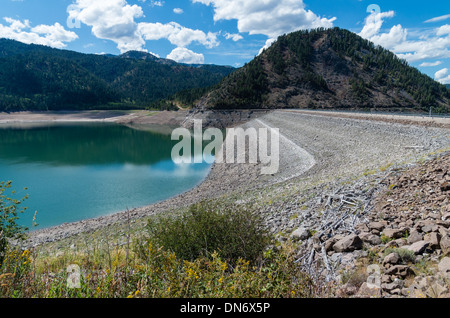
point(314, 147)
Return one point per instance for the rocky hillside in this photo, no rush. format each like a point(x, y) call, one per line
point(405, 238)
point(412, 219)
point(332, 68)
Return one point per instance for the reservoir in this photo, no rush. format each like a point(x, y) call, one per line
point(79, 171)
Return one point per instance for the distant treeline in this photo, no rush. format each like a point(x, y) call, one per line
point(183, 99)
point(34, 77)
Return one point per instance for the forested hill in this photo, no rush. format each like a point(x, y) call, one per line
point(332, 68)
point(34, 77)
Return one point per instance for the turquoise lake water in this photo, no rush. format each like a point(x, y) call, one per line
point(79, 171)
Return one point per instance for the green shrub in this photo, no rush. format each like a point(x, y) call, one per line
point(9, 210)
point(207, 227)
point(405, 255)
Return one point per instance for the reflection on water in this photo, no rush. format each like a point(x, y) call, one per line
point(88, 144)
point(74, 172)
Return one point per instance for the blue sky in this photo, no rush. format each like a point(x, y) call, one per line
point(228, 32)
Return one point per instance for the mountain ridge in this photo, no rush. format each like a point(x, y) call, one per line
point(36, 77)
point(327, 69)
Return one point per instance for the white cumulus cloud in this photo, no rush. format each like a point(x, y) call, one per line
point(116, 20)
point(176, 34)
point(443, 30)
point(442, 76)
point(430, 64)
point(373, 23)
point(235, 37)
point(110, 20)
point(183, 55)
point(426, 47)
point(267, 17)
point(50, 35)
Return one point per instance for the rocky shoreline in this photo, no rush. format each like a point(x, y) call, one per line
point(345, 211)
point(385, 235)
point(222, 179)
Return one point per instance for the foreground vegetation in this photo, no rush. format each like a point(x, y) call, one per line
point(207, 251)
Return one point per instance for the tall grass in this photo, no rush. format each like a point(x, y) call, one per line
point(210, 251)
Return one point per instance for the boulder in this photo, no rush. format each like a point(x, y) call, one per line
point(362, 227)
point(418, 247)
point(444, 265)
point(328, 245)
point(346, 290)
point(443, 231)
point(301, 233)
point(385, 279)
point(349, 243)
point(399, 270)
point(430, 228)
point(437, 290)
point(445, 245)
point(369, 291)
point(376, 226)
point(433, 239)
point(397, 284)
point(394, 233)
point(392, 258)
point(370, 238)
point(414, 237)
point(400, 242)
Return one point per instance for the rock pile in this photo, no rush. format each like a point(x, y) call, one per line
point(416, 206)
point(399, 228)
point(414, 218)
